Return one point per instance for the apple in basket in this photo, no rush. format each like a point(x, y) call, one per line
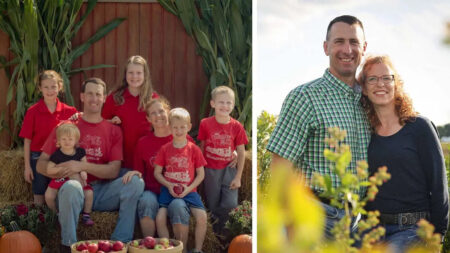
point(149, 242)
point(164, 242)
point(104, 246)
point(92, 247)
point(82, 246)
point(117, 246)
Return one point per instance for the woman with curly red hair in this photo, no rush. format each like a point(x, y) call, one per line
point(409, 146)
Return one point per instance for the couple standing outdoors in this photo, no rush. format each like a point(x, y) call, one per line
point(381, 127)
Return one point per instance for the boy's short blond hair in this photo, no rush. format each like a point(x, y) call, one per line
point(180, 114)
point(222, 90)
point(67, 129)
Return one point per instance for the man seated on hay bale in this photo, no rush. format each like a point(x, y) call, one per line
point(103, 144)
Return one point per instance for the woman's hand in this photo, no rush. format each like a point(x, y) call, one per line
point(76, 116)
point(28, 174)
point(127, 177)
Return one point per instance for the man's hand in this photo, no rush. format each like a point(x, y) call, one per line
point(67, 169)
point(127, 177)
point(235, 183)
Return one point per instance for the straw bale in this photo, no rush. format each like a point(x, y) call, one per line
point(245, 192)
point(12, 184)
point(211, 243)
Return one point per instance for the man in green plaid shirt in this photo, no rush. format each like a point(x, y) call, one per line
point(331, 100)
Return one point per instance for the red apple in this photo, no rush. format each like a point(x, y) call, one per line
point(117, 246)
point(104, 246)
point(178, 189)
point(100, 251)
point(164, 242)
point(81, 246)
point(149, 242)
point(92, 247)
point(85, 251)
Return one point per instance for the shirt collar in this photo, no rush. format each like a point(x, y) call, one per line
point(339, 85)
point(127, 94)
point(43, 106)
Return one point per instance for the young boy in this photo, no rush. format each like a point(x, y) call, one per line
point(220, 136)
point(67, 137)
point(183, 171)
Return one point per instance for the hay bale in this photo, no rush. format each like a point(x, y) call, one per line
point(211, 243)
point(245, 192)
point(12, 184)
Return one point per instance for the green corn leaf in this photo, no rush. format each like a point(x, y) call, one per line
point(169, 6)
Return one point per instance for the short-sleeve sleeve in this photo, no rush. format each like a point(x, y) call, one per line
point(294, 123)
point(54, 157)
point(241, 136)
point(199, 160)
point(117, 144)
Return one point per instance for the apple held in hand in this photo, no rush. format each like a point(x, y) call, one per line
point(178, 189)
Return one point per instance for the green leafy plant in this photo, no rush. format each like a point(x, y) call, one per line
point(265, 126)
point(39, 220)
point(222, 30)
point(240, 219)
point(40, 34)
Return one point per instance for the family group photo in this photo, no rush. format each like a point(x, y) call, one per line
point(125, 126)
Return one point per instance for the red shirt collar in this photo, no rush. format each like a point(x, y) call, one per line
point(43, 106)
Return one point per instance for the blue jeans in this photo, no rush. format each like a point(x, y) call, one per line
point(179, 212)
point(400, 237)
point(334, 215)
point(148, 205)
point(40, 182)
point(108, 196)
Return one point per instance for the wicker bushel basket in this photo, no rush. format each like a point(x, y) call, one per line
point(177, 248)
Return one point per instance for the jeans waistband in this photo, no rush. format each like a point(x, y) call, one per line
point(403, 218)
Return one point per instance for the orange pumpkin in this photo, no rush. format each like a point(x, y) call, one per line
point(20, 242)
point(241, 244)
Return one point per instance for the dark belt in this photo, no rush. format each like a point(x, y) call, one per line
point(322, 199)
point(403, 218)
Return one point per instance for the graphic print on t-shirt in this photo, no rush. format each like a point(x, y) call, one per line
point(220, 145)
point(178, 169)
point(92, 144)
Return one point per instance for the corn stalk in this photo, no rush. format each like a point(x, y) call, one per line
point(222, 30)
point(41, 34)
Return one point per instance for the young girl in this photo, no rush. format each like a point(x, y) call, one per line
point(37, 125)
point(67, 137)
point(125, 105)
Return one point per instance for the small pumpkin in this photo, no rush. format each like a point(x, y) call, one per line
point(20, 242)
point(241, 244)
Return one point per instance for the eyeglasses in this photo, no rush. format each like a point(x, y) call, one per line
point(386, 79)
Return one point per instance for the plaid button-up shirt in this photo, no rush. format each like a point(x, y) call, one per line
point(307, 113)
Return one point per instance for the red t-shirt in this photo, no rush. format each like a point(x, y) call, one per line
point(180, 163)
point(134, 123)
point(220, 140)
point(39, 122)
point(102, 142)
point(144, 158)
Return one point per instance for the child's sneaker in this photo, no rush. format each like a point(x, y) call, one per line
point(86, 218)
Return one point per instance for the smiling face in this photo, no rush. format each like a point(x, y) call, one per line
point(345, 46)
point(223, 104)
point(381, 93)
point(50, 89)
point(157, 114)
point(180, 128)
point(135, 75)
point(67, 141)
point(93, 98)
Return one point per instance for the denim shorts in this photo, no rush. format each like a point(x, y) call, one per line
point(40, 182)
point(193, 199)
